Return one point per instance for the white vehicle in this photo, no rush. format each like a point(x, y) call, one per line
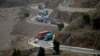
point(36, 40)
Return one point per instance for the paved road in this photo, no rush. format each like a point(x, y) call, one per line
point(49, 45)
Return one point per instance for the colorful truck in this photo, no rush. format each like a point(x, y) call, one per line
point(42, 34)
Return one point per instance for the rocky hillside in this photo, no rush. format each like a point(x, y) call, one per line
point(85, 28)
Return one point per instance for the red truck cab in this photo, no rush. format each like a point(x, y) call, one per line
point(42, 34)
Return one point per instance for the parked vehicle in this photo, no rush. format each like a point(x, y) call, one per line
point(42, 34)
point(36, 40)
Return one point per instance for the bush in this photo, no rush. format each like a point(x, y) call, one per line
point(86, 18)
point(26, 15)
point(98, 54)
point(60, 26)
point(16, 53)
point(96, 23)
point(41, 52)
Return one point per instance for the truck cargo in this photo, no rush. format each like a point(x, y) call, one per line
point(42, 34)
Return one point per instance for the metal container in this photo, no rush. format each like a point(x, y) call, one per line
point(42, 34)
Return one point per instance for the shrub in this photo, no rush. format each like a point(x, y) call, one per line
point(96, 23)
point(60, 26)
point(56, 46)
point(86, 18)
point(16, 53)
point(26, 15)
point(41, 52)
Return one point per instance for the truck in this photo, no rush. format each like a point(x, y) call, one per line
point(41, 35)
point(48, 36)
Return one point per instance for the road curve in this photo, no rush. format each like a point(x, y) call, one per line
point(72, 9)
point(49, 45)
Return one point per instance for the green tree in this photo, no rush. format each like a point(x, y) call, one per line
point(16, 53)
point(60, 26)
point(98, 54)
point(96, 23)
point(56, 46)
point(41, 52)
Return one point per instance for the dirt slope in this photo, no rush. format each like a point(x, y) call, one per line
point(7, 21)
point(28, 29)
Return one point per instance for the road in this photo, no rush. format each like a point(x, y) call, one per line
point(49, 45)
point(70, 9)
point(33, 20)
point(65, 7)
